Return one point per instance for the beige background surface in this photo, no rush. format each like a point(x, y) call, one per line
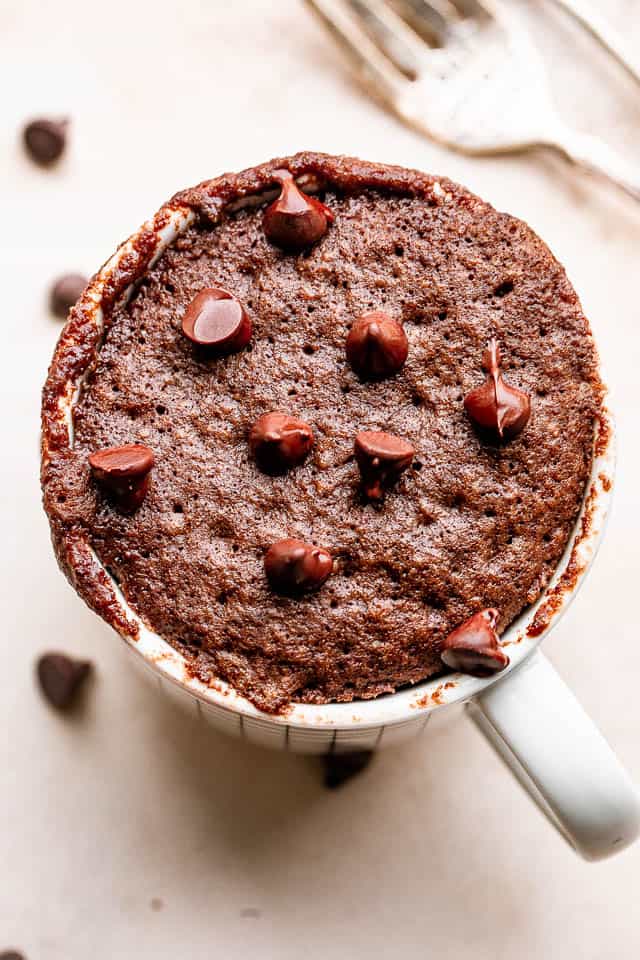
point(128, 831)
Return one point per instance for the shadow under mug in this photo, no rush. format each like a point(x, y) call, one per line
point(527, 712)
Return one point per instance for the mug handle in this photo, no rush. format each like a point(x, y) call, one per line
point(558, 755)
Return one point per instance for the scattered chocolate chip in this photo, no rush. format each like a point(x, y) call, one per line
point(293, 566)
point(495, 406)
point(60, 677)
point(295, 221)
point(473, 646)
point(377, 345)
point(215, 318)
point(279, 441)
point(45, 139)
point(124, 473)
point(382, 457)
point(340, 767)
point(65, 293)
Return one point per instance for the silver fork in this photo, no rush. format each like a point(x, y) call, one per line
point(465, 73)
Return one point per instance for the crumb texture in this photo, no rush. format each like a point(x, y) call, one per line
point(470, 524)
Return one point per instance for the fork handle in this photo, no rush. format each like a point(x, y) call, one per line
point(602, 30)
point(597, 158)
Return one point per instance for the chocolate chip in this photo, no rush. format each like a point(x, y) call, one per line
point(45, 139)
point(279, 441)
point(60, 677)
point(65, 293)
point(495, 406)
point(340, 767)
point(123, 472)
point(11, 955)
point(217, 319)
point(293, 566)
point(377, 345)
point(382, 457)
point(473, 646)
point(295, 221)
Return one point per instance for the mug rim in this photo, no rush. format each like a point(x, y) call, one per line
point(115, 280)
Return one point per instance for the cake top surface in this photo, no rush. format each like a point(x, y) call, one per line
point(419, 539)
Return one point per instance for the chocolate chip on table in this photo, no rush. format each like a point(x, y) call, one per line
point(65, 293)
point(279, 441)
point(495, 405)
point(11, 955)
point(381, 457)
point(295, 221)
point(473, 647)
point(293, 566)
point(45, 139)
point(123, 472)
point(340, 767)
point(377, 345)
point(60, 677)
point(217, 319)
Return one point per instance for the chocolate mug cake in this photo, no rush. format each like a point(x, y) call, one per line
point(336, 438)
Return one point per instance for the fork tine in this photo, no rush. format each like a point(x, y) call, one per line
point(390, 34)
point(425, 20)
point(472, 8)
point(381, 76)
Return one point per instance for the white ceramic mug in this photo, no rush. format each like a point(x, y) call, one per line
point(527, 712)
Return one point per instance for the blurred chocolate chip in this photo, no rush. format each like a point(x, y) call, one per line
point(123, 472)
point(60, 677)
point(295, 221)
point(473, 647)
point(65, 293)
point(495, 406)
point(279, 441)
point(11, 955)
point(340, 767)
point(293, 566)
point(217, 319)
point(377, 345)
point(382, 457)
point(45, 139)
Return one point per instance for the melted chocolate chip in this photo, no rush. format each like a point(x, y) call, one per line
point(123, 472)
point(341, 767)
point(295, 221)
point(377, 346)
point(279, 441)
point(60, 677)
point(65, 293)
point(473, 646)
point(217, 319)
point(45, 139)
point(382, 457)
point(495, 406)
point(293, 566)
